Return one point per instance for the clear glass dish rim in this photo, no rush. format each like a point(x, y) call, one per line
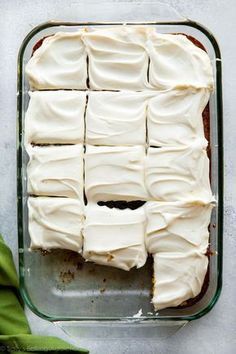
point(219, 106)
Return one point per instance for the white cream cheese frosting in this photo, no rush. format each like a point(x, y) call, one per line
point(117, 58)
point(115, 173)
point(55, 223)
point(116, 118)
point(179, 173)
point(115, 237)
point(59, 63)
point(177, 227)
point(177, 277)
point(55, 117)
point(175, 62)
point(55, 171)
point(174, 117)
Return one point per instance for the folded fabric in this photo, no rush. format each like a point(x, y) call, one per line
point(15, 335)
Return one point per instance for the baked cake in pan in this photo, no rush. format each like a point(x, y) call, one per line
point(118, 152)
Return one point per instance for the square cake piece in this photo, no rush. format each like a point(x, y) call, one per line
point(179, 173)
point(117, 58)
point(116, 118)
point(176, 62)
point(178, 276)
point(55, 223)
point(174, 117)
point(56, 171)
point(55, 117)
point(59, 63)
point(115, 173)
point(115, 237)
point(177, 227)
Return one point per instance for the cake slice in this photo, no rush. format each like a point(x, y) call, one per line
point(175, 62)
point(177, 227)
point(55, 223)
point(115, 237)
point(179, 173)
point(59, 63)
point(113, 117)
point(174, 117)
point(117, 58)
point(177, 236)
point(115, 173)
point(178, 276)
point(56, 171)
point(55, 117)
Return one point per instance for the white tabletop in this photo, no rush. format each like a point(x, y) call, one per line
point(214, 333)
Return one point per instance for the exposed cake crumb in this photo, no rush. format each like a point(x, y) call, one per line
point(67, 276)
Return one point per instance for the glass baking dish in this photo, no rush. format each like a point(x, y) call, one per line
point(81, 296)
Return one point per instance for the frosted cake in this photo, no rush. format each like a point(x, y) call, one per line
point(118, 165)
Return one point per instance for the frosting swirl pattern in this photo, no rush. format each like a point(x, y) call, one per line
point(174, 117)
point(59, 63)
point(175, 62)
point(55, 117)
point(117, 58)
point(177, 277)
point(55, 223)
point(114, 173)
point(56, 171)
point(115, 237)
point(112, 117)
point(179, 173)
point(177, 227)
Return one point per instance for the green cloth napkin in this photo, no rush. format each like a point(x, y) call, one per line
point(15, 335)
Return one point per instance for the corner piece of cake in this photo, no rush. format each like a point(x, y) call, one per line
point(55, 223)
point(115, 237)
point(59, 63)
point(178, 276)
point(176, 62)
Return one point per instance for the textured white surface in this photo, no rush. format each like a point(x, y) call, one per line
point(214, 333)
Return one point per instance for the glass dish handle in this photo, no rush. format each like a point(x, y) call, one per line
point(118, 333)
